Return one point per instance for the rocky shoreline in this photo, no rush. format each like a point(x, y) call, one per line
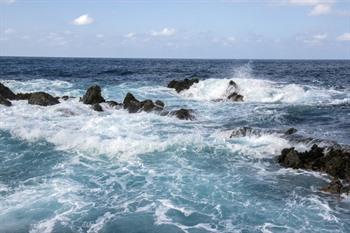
point(332, 158)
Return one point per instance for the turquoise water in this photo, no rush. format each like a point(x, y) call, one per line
point(66, 168)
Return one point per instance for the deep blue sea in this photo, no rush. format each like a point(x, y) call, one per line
point(66, 168)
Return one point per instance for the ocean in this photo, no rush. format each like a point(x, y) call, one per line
point(66, 168)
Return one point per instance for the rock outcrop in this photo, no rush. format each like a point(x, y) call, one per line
point(93, 95)
point(4, 101)
point(182, 85)
point(6, 93)
point(133, 105)
point(333, 161)
point(97, 107)
point(42, 99)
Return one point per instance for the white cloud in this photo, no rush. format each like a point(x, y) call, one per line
point(83, 20)
point(344, 37)
point(100, 36)
point(320, 9)
point(9, 31)
point(164, 32)
point(316, 39)
point(130, 35)
point(7, 1)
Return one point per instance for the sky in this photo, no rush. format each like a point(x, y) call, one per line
point(237, 29)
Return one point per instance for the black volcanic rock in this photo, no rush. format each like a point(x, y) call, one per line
point(97, 107)
point(131, 103)
point(235, 97)
point(6, 92)
point(23, 96)
point(182, 85)
point(183, 114)
point(93, 95)
point(42, 99)
point(4, 101)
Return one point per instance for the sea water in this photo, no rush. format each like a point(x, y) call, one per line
point(66, 168)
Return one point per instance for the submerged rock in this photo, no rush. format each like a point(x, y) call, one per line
point(42, 99)
point(183, 114)
point(182, 85)
point(148, 105)
point(114, 104)
point(334, 187)
point(93, 95)
point(6, 93)
point(97, 107)
point(4, 101)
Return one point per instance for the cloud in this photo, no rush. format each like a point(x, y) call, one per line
point(100, 36)
point(316, 39)
point(321, 9)
point(164, 32)
point(304, 2)
point(130, 35)
point(83, 20)
point(7, 1)
point(9, 31)
point(344, 37)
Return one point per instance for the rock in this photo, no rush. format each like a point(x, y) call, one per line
point(245, 131)
point(183, 114)
point(159, 104)
point(335, 187)
point(147, 105)
point(4, 101)
point(65, 97)
point(97, 107)
point(290, 158)
point(182, 85)
point(337, 163)
point(113, 104)
point(93, 95)
point(42, 99)
point(131, 103)
point(23, 96)
point(6, 92)
point(235, 97)
point(290, 131)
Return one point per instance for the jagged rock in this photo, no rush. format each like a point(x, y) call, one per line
point(23, 96)
point(97, 107)
point(6, 92)
point(93, 95)
point(42, 99)
point(65, 97)
point(182, 85)
point(131, 103)
point(245, 131)
point(4, 101)
point(290, 158)
point(183, 114)
point(235, 97)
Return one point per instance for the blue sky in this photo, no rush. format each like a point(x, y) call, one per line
point(288, 29)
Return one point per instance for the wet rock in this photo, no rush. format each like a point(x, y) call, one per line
point(290, 131)
point(182, 85)
point(65, 97)
point(131, 103)
point(290, 158)
point(113, 104)
point(235, 97)
point(337, 163)
point(6, 93)
point(335, 187)
point(93, 95)
point(23, 96)
point(245, 131)
point(183, 114)
point(4, 101)
point(42, 99)
point(97, 107)
point(159, 104)
point(148, 105)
